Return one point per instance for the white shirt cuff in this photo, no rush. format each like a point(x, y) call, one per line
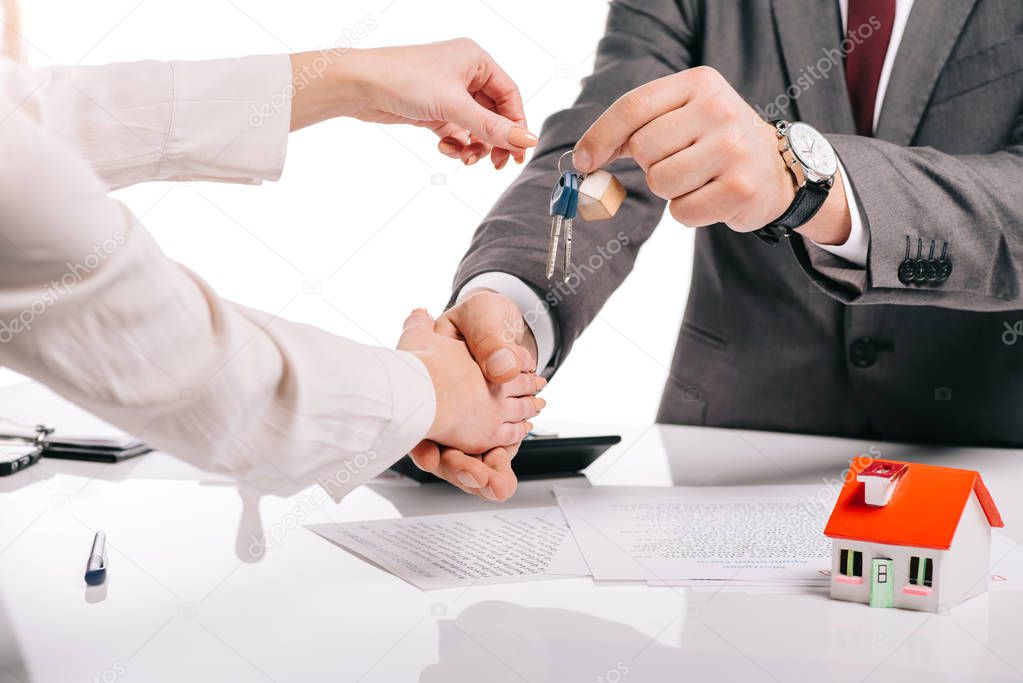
point(854, 249)
point(231, 119)
point(534, 310)
point(413, 408)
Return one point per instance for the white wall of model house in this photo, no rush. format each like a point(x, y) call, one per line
point(958, 573)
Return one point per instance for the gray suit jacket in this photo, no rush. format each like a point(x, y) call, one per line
point(781, 338)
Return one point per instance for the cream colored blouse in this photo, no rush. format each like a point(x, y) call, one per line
point(92, 308)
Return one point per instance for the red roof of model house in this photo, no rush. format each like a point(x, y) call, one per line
point(924, 510)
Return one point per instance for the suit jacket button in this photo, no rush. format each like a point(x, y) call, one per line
point(907, 271)
point(863, 352)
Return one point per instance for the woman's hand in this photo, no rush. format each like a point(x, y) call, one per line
point(453, 88)
point(472, 415)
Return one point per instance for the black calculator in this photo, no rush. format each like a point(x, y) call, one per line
point(540, 457)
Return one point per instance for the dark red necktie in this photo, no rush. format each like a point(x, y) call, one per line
point(869, 30)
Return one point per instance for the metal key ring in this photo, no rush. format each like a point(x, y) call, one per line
point(562, 158)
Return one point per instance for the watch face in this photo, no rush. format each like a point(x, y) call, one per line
point(813, 150)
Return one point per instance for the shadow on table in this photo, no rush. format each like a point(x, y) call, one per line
point(12, 664)
point(736, 457)
point(732, 637)
point(437, 498)
point(499, 641)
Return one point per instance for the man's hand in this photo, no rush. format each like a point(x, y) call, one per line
point(472, 414)
point(497, 336)
point(500, 341)
point(488, 476)
point(707, 152)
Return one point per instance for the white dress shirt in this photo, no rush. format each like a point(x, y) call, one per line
point(91, 307)
point(854, 249)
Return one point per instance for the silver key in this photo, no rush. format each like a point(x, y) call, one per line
point(552, 247)
point(568, 248)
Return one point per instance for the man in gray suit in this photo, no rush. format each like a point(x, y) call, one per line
point(889, 304)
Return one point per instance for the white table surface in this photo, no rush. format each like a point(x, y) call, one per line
point(184, 600)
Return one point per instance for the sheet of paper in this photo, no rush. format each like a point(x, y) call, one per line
point(680, 534)
point(464, 549)
point(1006, 562)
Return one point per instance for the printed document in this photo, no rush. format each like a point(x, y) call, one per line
point(702, 535)
point(464, 549)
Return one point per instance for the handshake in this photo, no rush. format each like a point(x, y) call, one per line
point(481, 358)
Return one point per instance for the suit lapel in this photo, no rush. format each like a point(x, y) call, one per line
point(810, 34)
point(931, 33)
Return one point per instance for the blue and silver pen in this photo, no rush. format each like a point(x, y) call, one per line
point(96, 568)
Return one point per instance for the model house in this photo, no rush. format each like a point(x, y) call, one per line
point(911, 535)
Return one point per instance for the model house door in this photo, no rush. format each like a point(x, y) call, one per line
point(882, 590)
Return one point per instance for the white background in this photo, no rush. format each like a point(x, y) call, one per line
point(356, 208)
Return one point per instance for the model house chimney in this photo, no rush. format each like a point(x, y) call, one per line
point(879, 481)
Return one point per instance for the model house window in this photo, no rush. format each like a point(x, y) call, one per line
point(851, 563)
point(921, 571)
point(882, 573)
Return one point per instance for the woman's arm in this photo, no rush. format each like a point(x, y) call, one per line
point(228, 119)
point(91, 307)
point(224, 120)
point(454, 88)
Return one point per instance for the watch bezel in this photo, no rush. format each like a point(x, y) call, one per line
point(812, 174)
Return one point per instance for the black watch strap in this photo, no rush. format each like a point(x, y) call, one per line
point(809, 199)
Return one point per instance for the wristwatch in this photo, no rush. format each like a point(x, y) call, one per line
point(813, 163)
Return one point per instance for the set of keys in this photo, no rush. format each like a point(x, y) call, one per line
point(593, 196)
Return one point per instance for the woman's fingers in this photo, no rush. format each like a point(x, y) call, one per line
point(418, 324)
point(474, 151)
point(499, 155)
point(497, 92)
point(489, 127)
point(519, 409)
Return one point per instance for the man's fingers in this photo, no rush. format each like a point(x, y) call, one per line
point(511, 433)
point(684, 172)
point(526, 408)
point(490, 340)
point(502, 482)
point(490, 477)
point(708, 205)
point(426, 456)
point(492, 327)
point(633, 110)
point(467, 472)
point(526, 384)
point(526, 361)
point(662, 137)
